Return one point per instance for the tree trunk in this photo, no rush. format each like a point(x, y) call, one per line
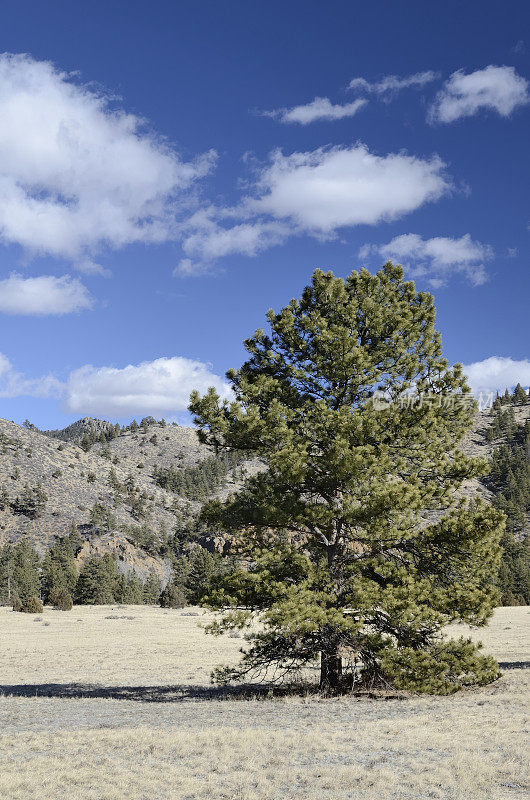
point(330, 671)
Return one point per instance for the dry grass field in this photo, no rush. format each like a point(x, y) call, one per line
point(113, 703)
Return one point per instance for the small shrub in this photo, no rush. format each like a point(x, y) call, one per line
point(17, 603)
point(32, 606)
point(61, 599)
point(172, 597)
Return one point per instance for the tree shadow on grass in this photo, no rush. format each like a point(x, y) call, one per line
point(144, 694)
point(180, 692)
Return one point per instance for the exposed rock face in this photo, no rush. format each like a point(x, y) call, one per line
point(128, 557)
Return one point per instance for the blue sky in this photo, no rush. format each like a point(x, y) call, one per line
point(169, 171)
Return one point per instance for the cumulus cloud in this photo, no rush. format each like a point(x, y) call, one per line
point(317, 193)
point(336, 187)
point(152, 387)
point(15, 384)
point(321, 108)
point(498, 89)
point(437, 257)
point(497, 373)
point(77, 174)
point(42, 296)
point(392, 84)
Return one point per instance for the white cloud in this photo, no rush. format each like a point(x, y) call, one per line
point(207, 239)
point(321, 108)
point(152, 387)
point(316, 193)
point(498, 89)
point(392, 84)
point(42, 296)
point(437, 257)
point(497, 373)
point(15, 384)
point(76, 174)
point(336, 187)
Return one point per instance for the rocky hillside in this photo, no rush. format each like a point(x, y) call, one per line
point(110, 489)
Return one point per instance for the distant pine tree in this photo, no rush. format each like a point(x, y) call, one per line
point(19, 572)
point(152, 590)
point(59, 569)
point(519, 395)
point(31, 503)
point(97, 581)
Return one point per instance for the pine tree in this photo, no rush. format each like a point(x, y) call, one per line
point(31, 503)
point(20, 570)
point(519, 395)
point(7, 589)
point(60, 598)
point(200, 572)
point(97, 581)
point(172, 596)
point(75, 539)
point(129, 590)
point(102, 517)
point(357, 418)
point(151, 590)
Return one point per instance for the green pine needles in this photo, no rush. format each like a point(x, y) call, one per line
point(357, 547)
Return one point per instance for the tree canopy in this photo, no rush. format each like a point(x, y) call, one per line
point(357, 545)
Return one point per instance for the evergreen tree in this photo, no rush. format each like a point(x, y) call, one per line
point(32, 605)
point(31, 503)
point(59, 570)
point(60, 598)
point(358, 419)
point(97, 581)
point(519, 395)
point(19, 572)
point(75, 539)
point(172, 597)
point(151, 590)
point(129, 590)
point(103, 518)
point(201, 569)
point(114, 481)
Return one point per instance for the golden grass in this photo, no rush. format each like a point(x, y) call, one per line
point(470, 745)
point(156, 647)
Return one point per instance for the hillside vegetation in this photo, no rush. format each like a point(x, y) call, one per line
point(70, 497)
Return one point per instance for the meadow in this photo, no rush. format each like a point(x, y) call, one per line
point(115, 703)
